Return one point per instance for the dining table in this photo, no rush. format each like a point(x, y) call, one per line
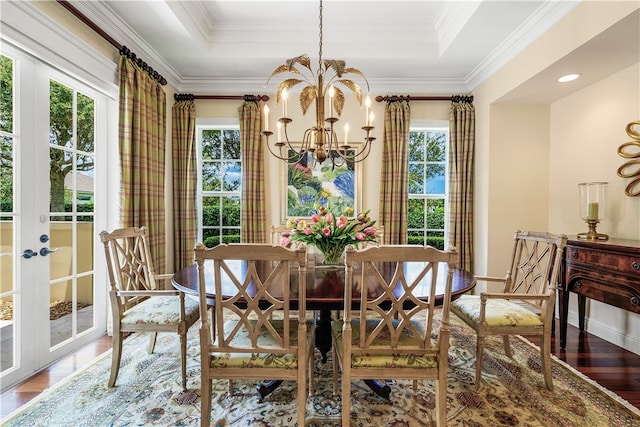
point(324, 295)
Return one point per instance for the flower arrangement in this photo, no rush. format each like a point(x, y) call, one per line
point(331, 233)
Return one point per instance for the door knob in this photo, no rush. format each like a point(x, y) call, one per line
point(28, 254)
point(47, 251)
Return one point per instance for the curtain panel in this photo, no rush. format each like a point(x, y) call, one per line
point(462, 128)
point(394, 174)
point(185, 177)
point(142, 133)
point(253, 216)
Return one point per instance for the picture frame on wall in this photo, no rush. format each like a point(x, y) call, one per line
point(307, 184)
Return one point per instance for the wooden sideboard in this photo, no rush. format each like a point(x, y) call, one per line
point(606, 271)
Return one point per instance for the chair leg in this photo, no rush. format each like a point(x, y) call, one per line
point(311, 367)
point(545, 357)
point(152, 342)
point(346, 396)
point(183, 357)
point(507, 346)
point(479, 353)
point(116, 355)
point(205, 403)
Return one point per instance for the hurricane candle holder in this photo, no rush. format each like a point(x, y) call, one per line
point(593, 208)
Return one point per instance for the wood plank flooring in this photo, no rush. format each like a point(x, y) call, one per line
point(609, 365)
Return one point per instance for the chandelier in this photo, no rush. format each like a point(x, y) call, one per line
point(320, 141)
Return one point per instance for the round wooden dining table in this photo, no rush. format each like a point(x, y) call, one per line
point(325, 293)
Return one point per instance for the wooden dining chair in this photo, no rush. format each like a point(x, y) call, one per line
point(394, 334)
point(525, 306)
point(260, 338)
point(138, 304)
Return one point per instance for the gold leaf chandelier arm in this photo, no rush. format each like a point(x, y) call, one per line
point(338, 100)
point(337, 65)
point(303, 60)
point(307, 96)
point(353, 87)
point(352, 70)
point(286, 85)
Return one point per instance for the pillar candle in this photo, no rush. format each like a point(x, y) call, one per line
point(266, 117)
point(592, 211)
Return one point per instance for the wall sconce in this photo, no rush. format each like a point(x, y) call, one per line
point(593, 198)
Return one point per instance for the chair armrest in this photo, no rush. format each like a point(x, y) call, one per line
point(166, 276)
point(149, 293)
point(503, 295)
point(491, 279)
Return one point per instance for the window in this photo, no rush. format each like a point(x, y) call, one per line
point(219, 184)
point(428, 187)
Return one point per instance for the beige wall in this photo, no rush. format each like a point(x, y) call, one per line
point(530, 158)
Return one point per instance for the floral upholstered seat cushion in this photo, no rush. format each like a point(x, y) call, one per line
point(391, 360)
point(161, 310)
point(255, 360)
point(499, 312)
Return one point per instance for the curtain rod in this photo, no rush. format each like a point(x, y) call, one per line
point(455, 98)
point(123, 50)
point(234, 97)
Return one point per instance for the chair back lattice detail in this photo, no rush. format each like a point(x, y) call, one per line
point(394, 334)
point(536, 260)
point(257, 336)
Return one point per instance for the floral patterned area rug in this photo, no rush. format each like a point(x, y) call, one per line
point(148, 393)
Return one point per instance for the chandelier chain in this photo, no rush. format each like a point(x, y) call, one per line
point(320, 43)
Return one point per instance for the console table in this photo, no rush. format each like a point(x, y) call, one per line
point(606, 271)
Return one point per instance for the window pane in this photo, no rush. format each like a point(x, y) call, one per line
point(436, 149)
point(6, 174)
point(85, 303)
point(232, 176)
point(210, 211)
point(416, 213)
point(61, 114)
point(435, 179)
point(211, 144)
point(416, 178)
point(231, 144)
point(435, 214)
point(436, 239)
point(416, 146)
point(6, 94)
point(231, 211)
point(415, 237)
point(211, 176)
point(86, 124)
point(210, 237)
point(231, 235)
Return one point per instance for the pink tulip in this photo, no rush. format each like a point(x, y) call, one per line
point(361, 236)
point(329, 218)
point(371, 231)
point(315, 217)
point(342, 221)
point(308, 231)
point(326, 231)
point(285, 241)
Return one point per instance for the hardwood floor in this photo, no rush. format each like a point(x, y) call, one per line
point(611, 366)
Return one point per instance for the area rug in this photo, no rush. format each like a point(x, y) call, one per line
point(148, 393)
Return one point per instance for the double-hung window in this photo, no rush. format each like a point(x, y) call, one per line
point(428, 186)
point(219, 184)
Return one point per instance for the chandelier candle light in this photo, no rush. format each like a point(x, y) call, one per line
point(592, 208)
point(321, 140)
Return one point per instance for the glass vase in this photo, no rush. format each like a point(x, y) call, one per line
point(332, 256)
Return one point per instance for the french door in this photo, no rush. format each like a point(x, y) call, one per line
point(52, 134)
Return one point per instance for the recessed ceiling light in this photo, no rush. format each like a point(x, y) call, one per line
point(568, 78)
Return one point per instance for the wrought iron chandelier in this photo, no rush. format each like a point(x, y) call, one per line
point(321, 140)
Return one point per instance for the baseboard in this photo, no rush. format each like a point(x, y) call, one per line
point(605, 332)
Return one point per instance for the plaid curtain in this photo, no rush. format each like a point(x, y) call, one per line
point(394, 179)
point(253, 215)
point(183, 118)
point(462, 135)
point(142, 133)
